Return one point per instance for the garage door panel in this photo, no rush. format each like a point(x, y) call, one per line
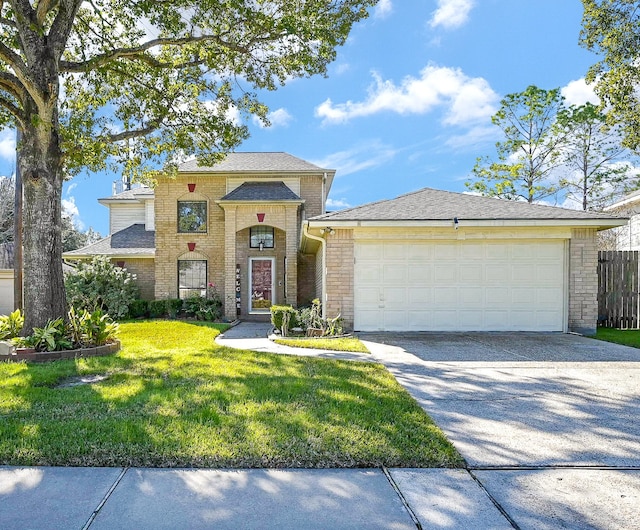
point(395, 297)
point(394, 252)
point(367, 296)
point(394, 274)
point(495, 273)
point(473, 296)
point(445, 320)
point(445, 296)
point(420, 274)
point(470, 273)
point(420, 296)
point(444, 272)
point(460, 285)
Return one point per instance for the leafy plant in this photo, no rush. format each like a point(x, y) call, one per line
point(99, 284)
point(207, 308)
point(86, 329)
point(11, 325)
point(52, 337)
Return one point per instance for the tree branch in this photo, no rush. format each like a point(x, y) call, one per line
point(12, 85)
point(137, 52)
point(14, 110)
point(43, 8)
point(63, 24)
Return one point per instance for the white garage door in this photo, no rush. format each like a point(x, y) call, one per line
point(460, 285)
point(6, 292)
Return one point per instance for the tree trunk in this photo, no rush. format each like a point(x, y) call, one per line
point(41, 168)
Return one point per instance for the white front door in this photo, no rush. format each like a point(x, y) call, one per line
point(261, 284)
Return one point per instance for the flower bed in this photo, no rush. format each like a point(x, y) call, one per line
point(31, 356)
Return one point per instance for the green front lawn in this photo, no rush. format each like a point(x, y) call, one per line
point(348, 344)
point(174, 398)
point(628, 337)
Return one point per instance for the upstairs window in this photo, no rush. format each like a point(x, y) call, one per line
point(261, 234)
point(192, 216)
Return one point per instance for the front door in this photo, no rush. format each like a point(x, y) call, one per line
point(261, 284)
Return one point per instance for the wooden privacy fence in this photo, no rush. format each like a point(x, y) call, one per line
point(618, 287)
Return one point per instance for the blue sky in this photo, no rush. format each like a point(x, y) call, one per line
point(408, 101)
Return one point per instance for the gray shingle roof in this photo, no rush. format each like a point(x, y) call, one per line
point(434, 205)
point(254, 162)
point(261, 191)
point(130, 195)
point(133, 240)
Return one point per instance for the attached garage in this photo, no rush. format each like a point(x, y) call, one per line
point(6, 291)
point(460, 285)
point(434, 260)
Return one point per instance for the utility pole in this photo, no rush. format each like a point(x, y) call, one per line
point(17, 231)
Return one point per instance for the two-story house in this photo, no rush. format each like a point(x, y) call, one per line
point(255, 227)
point(236, 226)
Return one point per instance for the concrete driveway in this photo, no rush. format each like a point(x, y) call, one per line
point(549, 424)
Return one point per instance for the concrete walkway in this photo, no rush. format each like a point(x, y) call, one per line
point(134, 498)
point(254, 336)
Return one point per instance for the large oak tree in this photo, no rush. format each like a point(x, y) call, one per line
point(100, 82)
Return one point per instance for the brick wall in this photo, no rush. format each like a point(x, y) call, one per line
point(170, 245)
point(144, 269)
point(340, 255)
point(311, 192)
point(306, 279)
point(583, 281)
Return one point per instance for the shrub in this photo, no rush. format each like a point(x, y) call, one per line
point(99, 284)
point(138, 308)
point(174, 306)
point(11, 325)
point(158, 308)
point(202, 308)
point(283, 317)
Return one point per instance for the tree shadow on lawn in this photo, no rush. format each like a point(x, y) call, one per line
point(219, 408)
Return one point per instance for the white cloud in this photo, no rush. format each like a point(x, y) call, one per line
point(451, 13)
point(70, 209)
point(8, 145)
point(466, 99)
point(337, 204)
point(342, 68)
point(358, 158)
point(278, 118)
point(475, 136)
point(578, 93)
point(383, 9)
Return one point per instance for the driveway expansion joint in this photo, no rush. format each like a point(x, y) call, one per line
point(104, 500)
point(395, 487)
point(494, 501)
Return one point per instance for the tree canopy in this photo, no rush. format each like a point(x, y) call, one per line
point(526, 155)
point(138, 83)
point(611, 28)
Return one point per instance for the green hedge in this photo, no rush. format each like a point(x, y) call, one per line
point(277, 312)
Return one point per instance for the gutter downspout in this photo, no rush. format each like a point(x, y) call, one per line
point(324, 198)
point(305, 229)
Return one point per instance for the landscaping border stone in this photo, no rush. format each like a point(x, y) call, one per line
point(38, 357)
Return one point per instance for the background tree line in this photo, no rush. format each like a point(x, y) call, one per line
point(552, 152)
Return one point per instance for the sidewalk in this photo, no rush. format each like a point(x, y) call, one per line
point(139, 498)
point(254, 336)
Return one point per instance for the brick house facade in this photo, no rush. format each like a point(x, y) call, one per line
point(255, 227)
